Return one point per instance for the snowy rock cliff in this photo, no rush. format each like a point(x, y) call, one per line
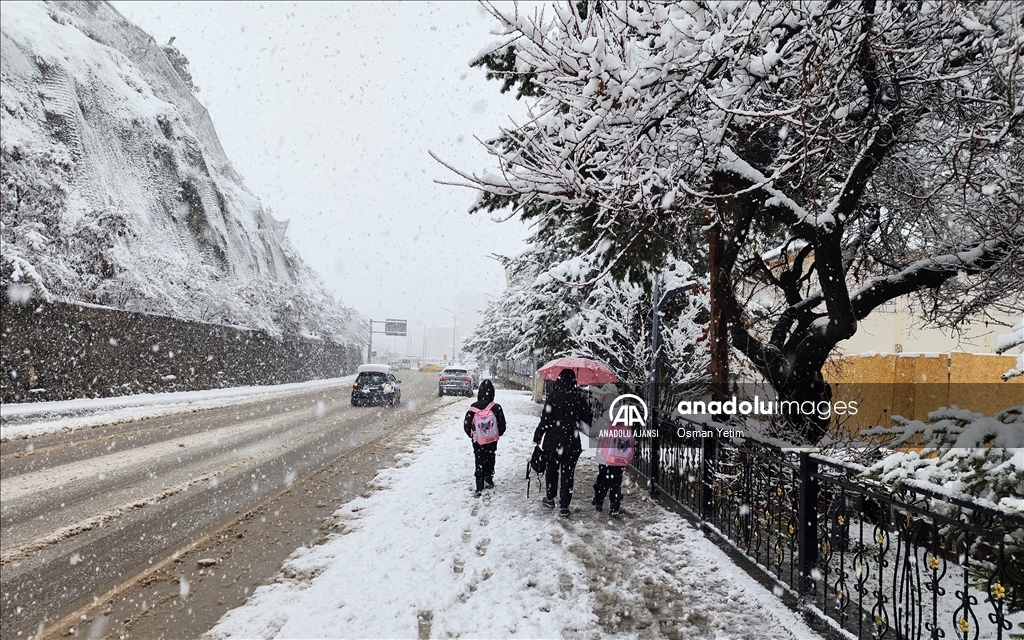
point(116, 191)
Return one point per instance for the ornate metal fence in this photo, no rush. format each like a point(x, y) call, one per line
point(911, 563)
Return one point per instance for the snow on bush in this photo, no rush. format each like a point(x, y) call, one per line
point(965, 453)
point(972, 456)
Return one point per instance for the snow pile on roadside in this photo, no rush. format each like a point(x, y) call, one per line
point(423, 557)
point(28, 419)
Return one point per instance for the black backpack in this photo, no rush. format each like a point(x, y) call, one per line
point(537, 462)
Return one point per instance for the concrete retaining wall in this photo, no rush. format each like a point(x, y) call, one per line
point(60, 351)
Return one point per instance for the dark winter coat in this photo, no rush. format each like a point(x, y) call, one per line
point(484, 396)
point(565, 408)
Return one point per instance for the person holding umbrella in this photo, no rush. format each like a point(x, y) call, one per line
point(565, 409)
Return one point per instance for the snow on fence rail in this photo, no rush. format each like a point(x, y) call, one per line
point(876, 561)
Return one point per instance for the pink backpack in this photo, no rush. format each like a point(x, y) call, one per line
point(615, 448)
point(485, 425)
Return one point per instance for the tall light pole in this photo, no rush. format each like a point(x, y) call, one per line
point(423, 351)
point(454, 319)
point(658, 299)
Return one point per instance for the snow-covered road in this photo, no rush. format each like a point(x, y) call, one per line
point(25, 420)
point(422, 557)
point(96, 510)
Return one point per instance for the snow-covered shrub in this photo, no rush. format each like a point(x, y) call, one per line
point(180, 64)
point(33, 189)
point(969, 455)
point(964, 453)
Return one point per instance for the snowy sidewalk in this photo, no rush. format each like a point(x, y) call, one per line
point(423, 557)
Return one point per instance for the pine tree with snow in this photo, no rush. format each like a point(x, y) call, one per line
point(1009, 341)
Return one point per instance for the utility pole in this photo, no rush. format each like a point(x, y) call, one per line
point(391, 328)
point(652, 391)
point(652, 394)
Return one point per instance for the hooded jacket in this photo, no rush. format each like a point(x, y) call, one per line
point(566, 407)
point(484, 396)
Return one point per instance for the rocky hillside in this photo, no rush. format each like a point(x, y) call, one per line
point(116, 191)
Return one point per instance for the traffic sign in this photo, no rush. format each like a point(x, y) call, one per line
point(395, 327)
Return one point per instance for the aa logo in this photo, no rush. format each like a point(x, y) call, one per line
point(628, 410)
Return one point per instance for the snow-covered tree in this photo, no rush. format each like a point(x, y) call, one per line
point(876, 144)
point(530, 319)
point(180, 64)
point(551, 308)
point(614, 325)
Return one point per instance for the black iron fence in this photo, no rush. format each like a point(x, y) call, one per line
point(907, 563)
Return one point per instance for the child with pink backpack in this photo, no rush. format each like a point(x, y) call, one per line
point(615, 448)
point(484, 423)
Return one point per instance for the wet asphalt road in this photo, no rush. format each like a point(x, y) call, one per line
point(92, 519)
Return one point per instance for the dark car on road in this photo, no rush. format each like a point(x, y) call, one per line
point(455, 381)
point(375, 384)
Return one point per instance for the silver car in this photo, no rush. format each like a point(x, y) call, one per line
point(474, 373)
point(455, 381)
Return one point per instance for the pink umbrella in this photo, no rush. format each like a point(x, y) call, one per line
point(587, 371)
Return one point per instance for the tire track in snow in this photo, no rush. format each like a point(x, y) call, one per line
point(251, 456)
point(33, 482)
point(19, 551)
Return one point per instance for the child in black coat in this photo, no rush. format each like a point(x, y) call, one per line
point(484, 453)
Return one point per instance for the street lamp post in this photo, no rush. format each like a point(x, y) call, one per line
point(454, 321)
point(423, 351)
point(654, 393)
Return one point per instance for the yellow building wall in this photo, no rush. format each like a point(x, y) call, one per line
point(867, 380)
point(912, 385)
point(966, 370)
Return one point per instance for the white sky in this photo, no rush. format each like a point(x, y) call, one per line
point(328, 110)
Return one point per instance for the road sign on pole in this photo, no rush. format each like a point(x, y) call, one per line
point(395, 327)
